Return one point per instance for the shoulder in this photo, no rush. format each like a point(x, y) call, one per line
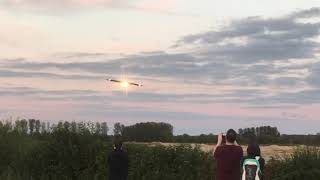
point(123, 153)
point(245, 157)
point(261, 160)
point(219, 148)
point(239, 149)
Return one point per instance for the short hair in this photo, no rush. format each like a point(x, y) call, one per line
point(117, 144)
point(253, 150)
point(231, 136)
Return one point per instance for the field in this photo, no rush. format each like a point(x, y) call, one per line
point(267, 151)
point(74, 152)
point(289, 162)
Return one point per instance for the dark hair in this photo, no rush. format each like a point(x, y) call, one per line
point(117, 144)
point(231, 136)
point(253, 150)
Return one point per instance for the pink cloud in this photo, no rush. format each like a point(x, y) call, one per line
point(86, 4)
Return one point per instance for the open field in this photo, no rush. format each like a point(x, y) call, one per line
point(267, 151)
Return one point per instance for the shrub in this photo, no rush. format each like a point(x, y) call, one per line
point(64, 155)
point(303, 164)
point(170, 163)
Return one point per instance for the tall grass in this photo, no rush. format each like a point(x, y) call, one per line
point(67, 156)
point(170, 163)
point(64, 155)
point(303, 164)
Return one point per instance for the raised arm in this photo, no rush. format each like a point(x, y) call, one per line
point(219, 142)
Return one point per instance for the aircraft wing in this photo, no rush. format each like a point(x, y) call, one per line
point(135, 84)
point(130, 83)
point(113, 80)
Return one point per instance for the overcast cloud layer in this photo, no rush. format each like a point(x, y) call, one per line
point(264, 69)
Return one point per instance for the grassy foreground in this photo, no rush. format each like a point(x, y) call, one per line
point(303, 164)
point(65, 155)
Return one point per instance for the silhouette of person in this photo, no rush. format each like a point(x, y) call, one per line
point(228, 157)
point(118, 162)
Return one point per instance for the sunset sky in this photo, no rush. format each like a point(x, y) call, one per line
point(206, 65)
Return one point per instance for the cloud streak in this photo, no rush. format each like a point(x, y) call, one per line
point(60, 7)
point(255, 64)
point(244, 53)
point(257, 39)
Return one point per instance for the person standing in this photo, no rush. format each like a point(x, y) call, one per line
point(118, 163)
point(253, 164)
point(228, 157)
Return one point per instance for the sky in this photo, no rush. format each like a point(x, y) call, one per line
point(206, 66)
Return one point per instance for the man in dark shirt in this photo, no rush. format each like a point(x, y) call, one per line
point(228, 157)
point(118, 163)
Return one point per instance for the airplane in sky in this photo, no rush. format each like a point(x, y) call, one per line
point(124, 84)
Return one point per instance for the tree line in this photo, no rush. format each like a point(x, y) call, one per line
point(79, 151)
point(34, 127)
point(154, 132)
point(259, 131)
point(145, 132)
point(163, 132)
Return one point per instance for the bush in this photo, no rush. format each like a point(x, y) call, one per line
point(303, 164)
point(170, 163)
point(64, 155)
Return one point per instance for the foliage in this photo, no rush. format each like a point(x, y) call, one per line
point(261, 135)
point(31, 150)
point(57, 154)
point(303, 164)
point(118, 129)
point(170, 163)
point(78, 151)
point(148, 132)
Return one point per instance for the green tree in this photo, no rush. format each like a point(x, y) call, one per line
point(37, 126)
point(32, 123)
point(149, 131)
point(104, 128)
point(118, 129)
